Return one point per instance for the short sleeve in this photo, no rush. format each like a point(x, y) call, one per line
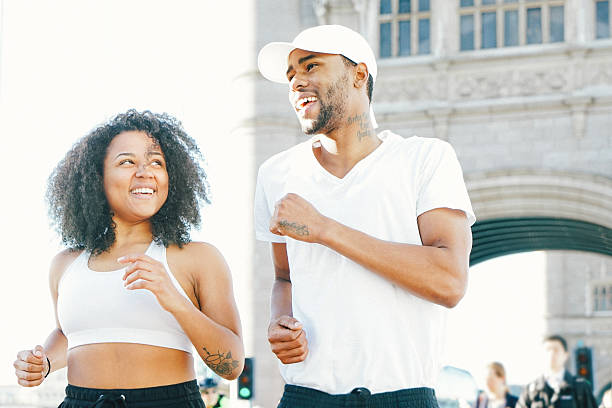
point(441, 182)
point(264, 208)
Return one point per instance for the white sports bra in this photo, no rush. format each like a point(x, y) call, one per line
point(95, 307)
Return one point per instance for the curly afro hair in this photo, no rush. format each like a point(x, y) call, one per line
point(78, 207)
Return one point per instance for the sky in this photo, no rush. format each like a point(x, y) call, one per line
point(501, 318)
point(66, 66)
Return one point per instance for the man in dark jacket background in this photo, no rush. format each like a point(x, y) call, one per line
point(557, 387)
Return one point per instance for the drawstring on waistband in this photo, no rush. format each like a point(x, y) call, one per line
point(117, 401)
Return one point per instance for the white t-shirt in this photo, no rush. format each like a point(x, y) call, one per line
point(554, 380)
point(362, 329)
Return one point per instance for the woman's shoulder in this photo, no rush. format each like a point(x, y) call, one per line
point(199, 267)
point(197, 257)
point(193, 248)
point(64, 258)
point(60, 263)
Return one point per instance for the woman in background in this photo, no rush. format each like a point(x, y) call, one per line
point(497, 394)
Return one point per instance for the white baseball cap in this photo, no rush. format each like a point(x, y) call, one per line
point(327, 39)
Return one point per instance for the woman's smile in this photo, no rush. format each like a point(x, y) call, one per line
point(135, 165)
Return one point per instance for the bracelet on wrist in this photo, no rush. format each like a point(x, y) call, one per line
point(49, 364)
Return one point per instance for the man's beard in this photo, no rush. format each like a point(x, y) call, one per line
point(329, 113)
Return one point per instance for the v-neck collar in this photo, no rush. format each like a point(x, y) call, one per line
point(383, 137)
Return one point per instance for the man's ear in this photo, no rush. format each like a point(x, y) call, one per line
point(361, 75)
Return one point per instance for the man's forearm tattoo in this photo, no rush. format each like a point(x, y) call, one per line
point(363, 120)
point(298, 229)
point(220, 363)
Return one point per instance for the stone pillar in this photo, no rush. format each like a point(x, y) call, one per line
point(343, 12)
point(579, 21)
point(578, 107)
point(440, 121)
point(267, 121)
point(444, 27)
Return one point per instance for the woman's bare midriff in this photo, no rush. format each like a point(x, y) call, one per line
point(127, 365)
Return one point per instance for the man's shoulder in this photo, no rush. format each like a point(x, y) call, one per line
point(422, 145)
point(576, 381)
point(281, 160)
point(421, 155)
point(581, 384)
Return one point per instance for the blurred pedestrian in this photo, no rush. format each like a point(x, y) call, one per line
point(556, 387)
point(497, 394)
point(209, 389)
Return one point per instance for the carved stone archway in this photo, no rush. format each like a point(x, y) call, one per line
point(529, 210)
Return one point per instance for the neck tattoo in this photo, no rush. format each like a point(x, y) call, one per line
point(363, 120)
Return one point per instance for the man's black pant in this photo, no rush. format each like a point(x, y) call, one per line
point(302, 397)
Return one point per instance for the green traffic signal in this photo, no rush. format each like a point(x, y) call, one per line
point(245, 380)
point(244, 393)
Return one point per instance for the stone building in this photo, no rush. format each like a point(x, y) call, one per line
point(522, 90)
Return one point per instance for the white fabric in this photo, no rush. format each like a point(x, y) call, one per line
point(554, 380)
point(95, 307)
point(497, 403)
point(363, 330)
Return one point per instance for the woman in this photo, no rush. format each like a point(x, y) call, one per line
point(132, 294)
point(497, 394)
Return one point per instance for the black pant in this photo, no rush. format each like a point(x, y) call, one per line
point(302, 397)
point(183, 395)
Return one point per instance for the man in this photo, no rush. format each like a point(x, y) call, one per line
point(556, 388)
point(370, 236)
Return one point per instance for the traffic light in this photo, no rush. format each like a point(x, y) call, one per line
point(584, 364)
point(245, 380)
